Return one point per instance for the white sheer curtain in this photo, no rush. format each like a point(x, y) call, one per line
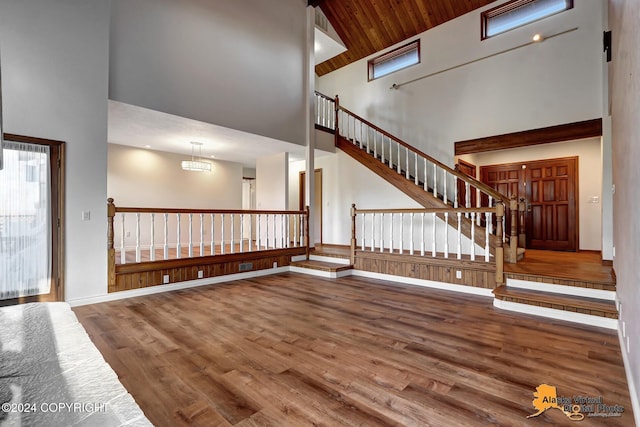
point(25, 221)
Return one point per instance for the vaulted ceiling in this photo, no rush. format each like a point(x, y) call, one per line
point(368, 26)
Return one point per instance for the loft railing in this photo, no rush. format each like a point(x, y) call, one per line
point(325, 111)
point(427, 233)
point(137, 235)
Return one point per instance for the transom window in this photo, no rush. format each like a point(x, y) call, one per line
point(395, 60)
point(517, 13)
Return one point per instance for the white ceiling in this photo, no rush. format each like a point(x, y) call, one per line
point(138, 127)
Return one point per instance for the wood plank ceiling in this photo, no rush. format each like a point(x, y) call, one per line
point(369, 26)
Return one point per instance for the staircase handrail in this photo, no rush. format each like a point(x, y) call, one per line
point(484, 188)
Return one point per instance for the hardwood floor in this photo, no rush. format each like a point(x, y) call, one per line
point(296, 350)
point(568, 265)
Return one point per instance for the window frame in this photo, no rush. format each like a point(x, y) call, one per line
point(509, 7)
point(413, 45)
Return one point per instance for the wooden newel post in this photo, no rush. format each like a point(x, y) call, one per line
point(337, 126)
point(513, 236)
point(111, 252)
point(499, 245)
point(306, 231)
point(353, 234)
point(522, 234)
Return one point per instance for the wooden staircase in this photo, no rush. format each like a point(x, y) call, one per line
point(325, 261)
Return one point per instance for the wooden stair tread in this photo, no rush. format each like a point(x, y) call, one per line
point(562, 302)
point(321, 265)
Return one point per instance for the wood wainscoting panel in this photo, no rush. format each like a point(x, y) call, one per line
point(477, 274)
point(142, 275)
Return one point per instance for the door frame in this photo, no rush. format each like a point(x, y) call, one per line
point(57, 167)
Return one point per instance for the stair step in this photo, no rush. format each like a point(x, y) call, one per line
point(570, 303)
point(322, 265)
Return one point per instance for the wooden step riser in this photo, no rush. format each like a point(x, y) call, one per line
point(585, 290)
point(569, 316)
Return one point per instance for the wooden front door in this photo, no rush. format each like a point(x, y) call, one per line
point(506, 179)
point(551, 193)
point(549, 188)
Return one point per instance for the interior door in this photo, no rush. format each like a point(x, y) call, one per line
point(551, 189)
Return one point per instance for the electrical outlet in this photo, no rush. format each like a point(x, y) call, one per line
point(200, 274)
point(86, 215)
point(165, 279)
point(458, 274)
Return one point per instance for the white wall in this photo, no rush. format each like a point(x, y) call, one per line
point(345, 181)
point(549, 83)
point(272, 182)
point(589, 178)
point(55, 80)
point(146, 178)
point(232, 63)
point(624, 17)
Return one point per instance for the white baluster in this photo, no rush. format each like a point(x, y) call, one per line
point(487, 231)
point(398, 168)
point(422, 233)
point(232, 226)
point(411, 233)
point(391, 235)
point(415, 168)
point(213, 233)
point(446, 234)
point(467, 195)
point(490, 216)
point(282, 224)
point(258, 219)
point(375, 144)
point(401, 232)
point(222, 244)
point(406, 163)
point(201, 234)
point(241, 233)
point(166, 237)
point(473, 236)
point(152, 245)
point(435, 181)
point(250, 232)
point(360, 139)
point(373, 232)
point(382, 147)
point(123, 250)
point(302, 219)
point(288, 230)
point(425, 186)
point(295, 230)
point(138, 248)
point(363, 238)
point(455, 191)
point(138, 237)
point(459, 235)
point(190, 235)
point(444, 186)
point(275, 234)
point(178, 238)
point(433, 232)
point(382, 232)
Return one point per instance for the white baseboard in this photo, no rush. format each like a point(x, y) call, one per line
point(552, 313)
point(176, 286)
point(633, 391)
point(320, 273)
point(561, 289)
point(333, 260)
point(298, 258)
point(425, 283)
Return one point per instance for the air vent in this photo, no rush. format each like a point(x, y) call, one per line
point(246, 266)
point(321, 21)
